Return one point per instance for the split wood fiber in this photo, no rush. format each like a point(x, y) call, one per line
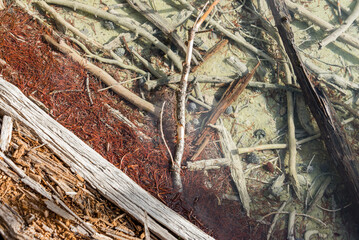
point(229, 96)
point(108, 180)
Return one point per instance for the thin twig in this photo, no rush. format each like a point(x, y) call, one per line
point(237, 38)
point(104, 76)
point(347, 107)
point(163, 135)
point(343, 9)
point(181, 118)
point(120, 83)
point(128, 23)
point(161, 23)
point(275, 146)
point(88, 89)
point(298, 214)
point(117, 61)
point(175, 78)
point(275, 219)
point(333, 210)
point(59, 19)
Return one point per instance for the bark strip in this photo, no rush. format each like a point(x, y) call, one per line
point(230, 95)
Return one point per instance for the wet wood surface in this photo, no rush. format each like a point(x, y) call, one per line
point(333, 135)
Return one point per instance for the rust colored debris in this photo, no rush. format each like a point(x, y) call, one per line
point(60, 84)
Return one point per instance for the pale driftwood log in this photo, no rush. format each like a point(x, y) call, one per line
point(6, 131)
point(108, 180)
point(11, 224)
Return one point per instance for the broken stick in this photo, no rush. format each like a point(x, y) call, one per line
point(104, 77)
point(340, 30)
point(181, 118)
point(230, 95)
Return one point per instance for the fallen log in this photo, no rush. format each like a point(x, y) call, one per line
point(101, 175)
point(335, 139)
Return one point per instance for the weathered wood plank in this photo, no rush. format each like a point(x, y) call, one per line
point(6, 130)
point(111, 182)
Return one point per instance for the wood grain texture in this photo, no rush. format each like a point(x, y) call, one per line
point(108, 180)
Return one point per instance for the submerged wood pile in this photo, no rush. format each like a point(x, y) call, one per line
point(230, 140)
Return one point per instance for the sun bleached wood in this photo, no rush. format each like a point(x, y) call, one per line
point(2, 6)
point(6, 131)
point(236, 167)
point(11, 224)
point(303, 12)
point(340, 30)
point(101, 175)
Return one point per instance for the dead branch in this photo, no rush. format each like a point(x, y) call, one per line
point(237, 38)
point(340, 30)
point(235, 166)
point(104, 76)
point(128, 23)
point(165, 26)
point(335, 139)
point(346, 38)
point(181, 116)
point(275, 146)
